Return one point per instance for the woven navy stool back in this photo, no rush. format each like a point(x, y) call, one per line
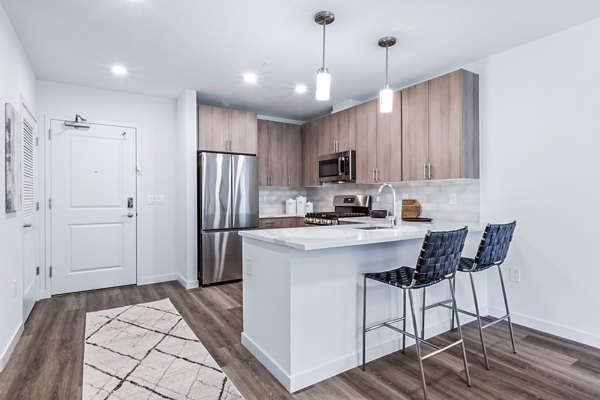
point(494, 244)
point(440, 256)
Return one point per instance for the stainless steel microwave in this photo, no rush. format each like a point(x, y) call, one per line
point(338, 167)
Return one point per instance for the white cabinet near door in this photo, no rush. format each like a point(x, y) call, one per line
point(93, 207)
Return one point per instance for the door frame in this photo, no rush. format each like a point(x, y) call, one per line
point(46, 244)
point(25, 109)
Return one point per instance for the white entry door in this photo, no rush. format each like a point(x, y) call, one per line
point(29, 184)
point(93, 207)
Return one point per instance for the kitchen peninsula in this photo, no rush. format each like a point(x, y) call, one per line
point(303, 290)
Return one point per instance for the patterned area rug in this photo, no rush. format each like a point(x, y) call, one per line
point(147, 351)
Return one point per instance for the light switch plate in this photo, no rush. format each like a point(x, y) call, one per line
point(514, 275)
point(452, 198)
point(404, 196)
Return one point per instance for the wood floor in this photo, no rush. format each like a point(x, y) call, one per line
point(47, 362)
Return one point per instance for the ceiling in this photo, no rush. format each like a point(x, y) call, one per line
point(172, 45)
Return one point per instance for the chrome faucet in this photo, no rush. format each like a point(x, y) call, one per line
point(394, 211)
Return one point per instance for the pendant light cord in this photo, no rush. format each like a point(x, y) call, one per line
point(386, 64)
point(324, 24)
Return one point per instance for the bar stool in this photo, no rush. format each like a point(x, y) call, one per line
point(492, 250)
point(438, 261)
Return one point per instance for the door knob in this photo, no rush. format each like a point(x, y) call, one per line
point(129, 215)
point(27, 226)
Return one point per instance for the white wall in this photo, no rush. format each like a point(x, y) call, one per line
point(540, 139)
point(187, 225)
point(160, 255)
point(17, 84)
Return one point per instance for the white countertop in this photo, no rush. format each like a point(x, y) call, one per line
point(316, 238)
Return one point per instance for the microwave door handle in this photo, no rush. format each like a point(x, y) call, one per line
point(340, 161)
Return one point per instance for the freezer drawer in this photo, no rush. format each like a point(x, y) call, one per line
point(220, 256)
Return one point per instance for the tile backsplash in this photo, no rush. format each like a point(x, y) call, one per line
point(271, 199)
point(434, 196)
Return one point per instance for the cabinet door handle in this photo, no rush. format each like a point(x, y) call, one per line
point(377, 174)
point(429, 170)
point(425, 171)
point(374, 175)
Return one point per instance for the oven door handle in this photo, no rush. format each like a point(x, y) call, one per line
point(340, 161)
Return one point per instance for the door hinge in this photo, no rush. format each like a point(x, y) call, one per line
point(49, 134)
point(51, 271)
point(37, 206)
point(37, 270)
point(50, 203)
point(37, 141)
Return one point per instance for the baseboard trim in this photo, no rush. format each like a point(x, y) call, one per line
point(193, 284)
point(147, 280)
point(297, 381)
point(10, 347)
point(562, 331)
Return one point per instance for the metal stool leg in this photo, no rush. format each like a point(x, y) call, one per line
point(452, 316)
point(462, 344)
point(364, 333)
point(417, 342)
point(423, 315)
point(404, 321)
point(510, 328)
point(485, 356)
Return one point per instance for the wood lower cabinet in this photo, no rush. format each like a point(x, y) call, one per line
point(310, 153)
point(441, 128)
point(226, 130)
point(285, 222)
point(279, 154)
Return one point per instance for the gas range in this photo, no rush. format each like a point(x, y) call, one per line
point(346, 206)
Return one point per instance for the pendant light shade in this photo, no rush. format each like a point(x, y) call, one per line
point(323, 77)
point(323, 84)
point(386, 99)
point(386, 94)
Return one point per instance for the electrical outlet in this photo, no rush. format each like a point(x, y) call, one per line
point(156, 199)
point(451, 198)
point(248, 266)
point(514, 275)
point(404, 196)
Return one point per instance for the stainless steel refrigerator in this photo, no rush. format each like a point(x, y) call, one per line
point(227, 203)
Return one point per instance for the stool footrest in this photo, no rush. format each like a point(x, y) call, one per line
point(440, 303)
point(386, 323)
point(410, 335)
point(439, 350)
point(495, 321)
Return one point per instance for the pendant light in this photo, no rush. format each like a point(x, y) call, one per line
point(323, 78)
point(386, 94)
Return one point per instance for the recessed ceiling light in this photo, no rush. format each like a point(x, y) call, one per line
point(300, 88)
point(250, 77)
point(119, 70)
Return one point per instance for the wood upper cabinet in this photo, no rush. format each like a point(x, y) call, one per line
point(388, 167)
point(213, 128)
point(226, 130)
point(279, 154)
point(336, 132)
point(441, 128)
point(415, 132)
point(263, 152)
point(293, 154)
point(243, 128)
point(364, 117)
point(310, 153)
point(326, 138)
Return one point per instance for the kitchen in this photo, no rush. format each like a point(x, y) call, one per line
point(325, 212)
